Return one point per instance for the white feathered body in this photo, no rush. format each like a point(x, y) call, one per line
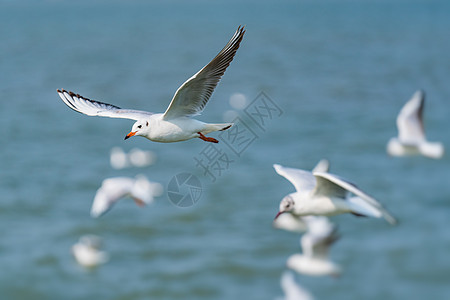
point(318, 206)
point(395, 147)
point(290, 222)
point(89, 257)
point(178, 129)
point(303, 264)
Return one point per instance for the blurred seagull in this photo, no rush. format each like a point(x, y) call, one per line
point(290, 222)
point(119, 159)
point(294, 223)
point(292, 290)
point(315, 244)
point(140, 189)
point(411, 138)
point(325, 194)
point(175, 124)
point(322, 166)
point(87, 252)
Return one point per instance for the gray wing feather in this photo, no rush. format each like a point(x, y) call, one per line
point(328, 187)
point(191, 97)
point(342, 184)
point(322, 244)
point(410, 119)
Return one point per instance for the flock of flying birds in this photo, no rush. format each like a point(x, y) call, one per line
point(318, 194)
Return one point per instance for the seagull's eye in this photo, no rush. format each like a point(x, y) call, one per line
point(146, 124)
point(140, 126)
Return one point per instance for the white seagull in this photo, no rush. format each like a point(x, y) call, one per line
point(315, 245)
point(411, 138)
point(290, 222)
point(119, 159)
point(294, 223)
point(87, 251)
point(292, 290)
point(175, 124)
point(140, 189)
point(325, 194)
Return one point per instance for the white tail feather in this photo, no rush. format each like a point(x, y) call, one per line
point(433, 150)
point(216, 127)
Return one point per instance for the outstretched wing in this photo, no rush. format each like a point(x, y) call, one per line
point(96, 108)
point(329, 184)
point(191, 97)
point(320, 236)
point(111, 191)
point(303, 181)
point(292, 290)
point(321, 245)
point(410, 121)
point(337, 186)
point(322, 166)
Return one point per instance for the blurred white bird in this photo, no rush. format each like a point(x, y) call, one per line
point(175, 124)
point(324, 194)
point(315, 244)
point(140, 189)
point(87, 251)
point(119, 159)
point(292, 222)
point(322, 166)
point(411, 138)
point(292, 290)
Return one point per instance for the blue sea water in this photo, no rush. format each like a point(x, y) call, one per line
point(339, 71)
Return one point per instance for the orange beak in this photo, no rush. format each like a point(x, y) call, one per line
point(130, 135)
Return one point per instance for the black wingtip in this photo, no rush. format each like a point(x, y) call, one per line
point(62, 91)
point(241, 29)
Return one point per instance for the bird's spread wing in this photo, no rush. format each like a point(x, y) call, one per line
point(334, 185)
point(96, 108)
point(409, 121)
point(328, 183)
point(191, 97)
point(321, 244)
point(292, 289)
point(303, 181)
point(109, 193)
point(322, 166)
point(320, 236)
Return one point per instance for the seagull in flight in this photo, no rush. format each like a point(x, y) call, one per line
point(87, 251)
point(175, 124)
point(411, 138)
point(315, 245)
point(140, 189)
point(325, 194)
point(294, 223)
point(292, 290)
